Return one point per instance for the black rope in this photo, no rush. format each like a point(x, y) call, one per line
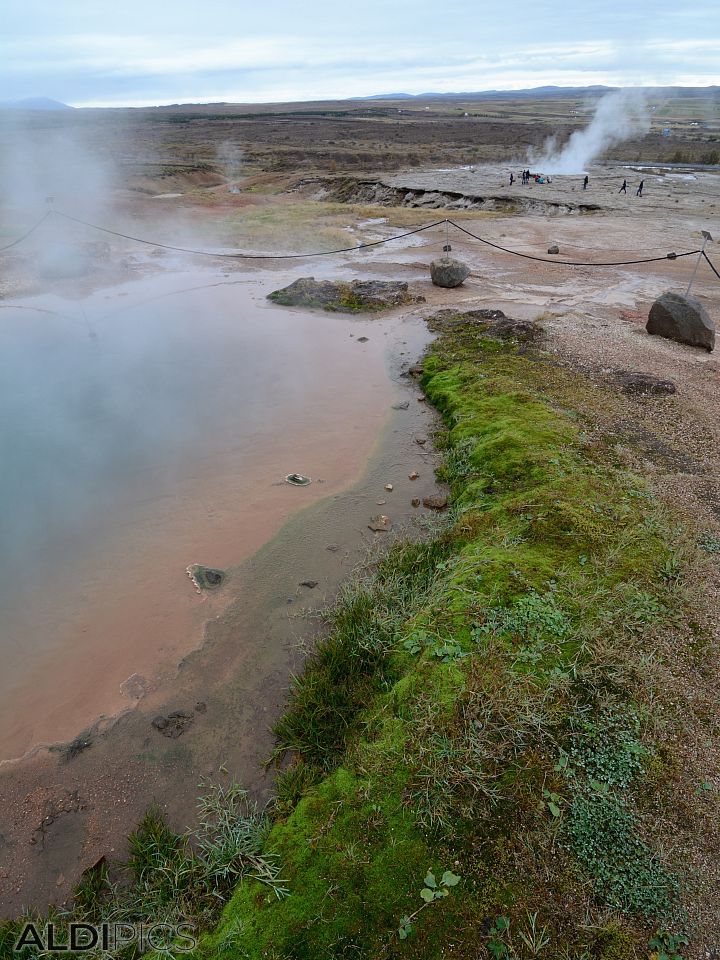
point(711, 265)
point(361, 246)
point(574, 263)
point(26, 235)
point(251, 256)
point(375, 243)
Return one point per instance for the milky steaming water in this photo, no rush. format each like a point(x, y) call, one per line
point(135, 444)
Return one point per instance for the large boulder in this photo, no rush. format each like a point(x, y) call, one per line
point(448, 272)
point(343, 297)
point(682, 318)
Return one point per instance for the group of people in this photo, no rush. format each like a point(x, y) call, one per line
point(638, 192)
point(527, 177)
point(540, 178)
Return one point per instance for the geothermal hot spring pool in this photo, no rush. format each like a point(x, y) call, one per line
point(142, 432)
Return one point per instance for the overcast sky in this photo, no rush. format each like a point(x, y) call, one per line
point(138, 52)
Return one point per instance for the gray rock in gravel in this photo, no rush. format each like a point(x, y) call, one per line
point(635, 383)
point(554, 248)
point(448, 272)
point(679, 317)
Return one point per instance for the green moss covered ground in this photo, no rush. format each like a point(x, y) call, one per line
point(480, 707)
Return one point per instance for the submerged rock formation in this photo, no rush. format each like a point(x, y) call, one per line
point(340, 296)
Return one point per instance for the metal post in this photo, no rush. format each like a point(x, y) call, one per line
point(447, 248)
point(706, 237)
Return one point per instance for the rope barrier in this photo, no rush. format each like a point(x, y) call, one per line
point(711, 265)
point(574, 263)
point(363, 246)
point(251, 256)
point(26, 235)
point(375, 243)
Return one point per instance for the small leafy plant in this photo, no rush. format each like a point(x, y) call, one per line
point(431, 891)
point(552, 801)
point(667, 945)
point(496, 945)
point(444, 650)
point(709, 543)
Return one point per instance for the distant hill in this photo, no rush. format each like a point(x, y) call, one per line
point(35, 103)
point(535, 93)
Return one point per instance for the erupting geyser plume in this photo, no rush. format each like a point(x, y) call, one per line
point(618, 116)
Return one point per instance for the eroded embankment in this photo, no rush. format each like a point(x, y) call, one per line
point(481, 760)
point(355, 190)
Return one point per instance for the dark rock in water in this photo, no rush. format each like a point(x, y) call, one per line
point(342, 297)
point(401, 406)
point(77, 746)
point(553, 249)
point(448, 272)
point(489, 323)
point(310, 584)
point(205, 578)
point(174, 724)
point(333, 547)
point(681, 318)
point(362, 339)
point(416, 370)
point(435, 502)
point(635, 383)
point(415, 501)
point(380, 523)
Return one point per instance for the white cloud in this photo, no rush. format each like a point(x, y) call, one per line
point(138, 69)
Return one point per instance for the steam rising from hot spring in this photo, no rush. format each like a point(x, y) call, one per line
point(618, 116)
